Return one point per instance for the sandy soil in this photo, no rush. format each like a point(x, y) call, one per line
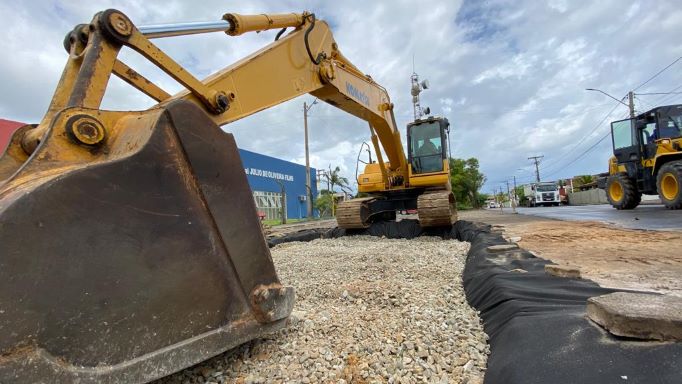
point(611, 256)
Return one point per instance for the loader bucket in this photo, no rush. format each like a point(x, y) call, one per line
point(128, 261)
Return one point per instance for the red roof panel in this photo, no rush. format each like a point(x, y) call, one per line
point(7, 128)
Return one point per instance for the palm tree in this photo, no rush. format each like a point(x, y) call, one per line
point(583, 179)
point(334, 178)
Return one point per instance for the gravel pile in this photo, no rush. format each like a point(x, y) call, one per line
point(367, 310)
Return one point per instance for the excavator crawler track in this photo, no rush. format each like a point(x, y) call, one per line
point(354, 213)
point(436, 209)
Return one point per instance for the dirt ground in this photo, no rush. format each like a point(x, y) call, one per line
point(611, 256)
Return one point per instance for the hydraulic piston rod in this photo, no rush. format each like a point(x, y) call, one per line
point(179, 29)
point(233, 24)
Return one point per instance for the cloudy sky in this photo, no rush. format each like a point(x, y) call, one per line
point(510, 75)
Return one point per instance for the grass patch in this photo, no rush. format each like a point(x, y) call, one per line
point(276, 222)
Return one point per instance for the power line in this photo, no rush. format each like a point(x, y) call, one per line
point(668, 94)
point(658, 73)
point(659, 93)
point(552, 164)
point(582, 154)
point(642, 102)
point(558, 169)
point(660, 100)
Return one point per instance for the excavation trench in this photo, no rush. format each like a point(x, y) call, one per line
point(537, 325)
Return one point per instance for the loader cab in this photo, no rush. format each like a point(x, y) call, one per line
point(427, 144)
point(638, 139)
point(635, 139)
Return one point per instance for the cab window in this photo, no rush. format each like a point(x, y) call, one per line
point(426, 148)
point(649, 133)
point(622, 134)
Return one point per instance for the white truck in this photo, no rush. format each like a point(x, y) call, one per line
point(543, 193)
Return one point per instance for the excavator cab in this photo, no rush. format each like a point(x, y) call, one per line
point(427, 144)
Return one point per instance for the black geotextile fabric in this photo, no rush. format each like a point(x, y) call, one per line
point(302, 235)
point(538, 329)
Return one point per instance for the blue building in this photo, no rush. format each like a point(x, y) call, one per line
point(268, 176)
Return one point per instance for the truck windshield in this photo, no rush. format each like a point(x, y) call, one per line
point(426, 147)
point(547, 188)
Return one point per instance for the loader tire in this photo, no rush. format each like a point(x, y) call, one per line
point(622, 192)
point(669, 184)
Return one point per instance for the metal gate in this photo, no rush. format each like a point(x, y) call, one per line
point(270, 203)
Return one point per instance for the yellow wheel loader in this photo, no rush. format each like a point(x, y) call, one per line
point(647, 159)
point(129, 241)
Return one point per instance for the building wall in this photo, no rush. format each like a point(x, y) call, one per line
point(263, 172)
point(591, 196)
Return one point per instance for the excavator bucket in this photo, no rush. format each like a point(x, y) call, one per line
point(129, 260)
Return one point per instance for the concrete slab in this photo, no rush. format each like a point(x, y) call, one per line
point(562, 271)
point(638, 315)
point(502, 247)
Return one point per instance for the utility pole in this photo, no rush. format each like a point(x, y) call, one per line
point(501, 198)
point(515, 196)
point(509, 194)
point(283, 201)
point(536, 159)
point(309, 198)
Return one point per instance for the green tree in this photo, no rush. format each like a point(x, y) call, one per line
point(520, 194)
point(482, 198)
point(324, 203)
point(466, 180)
point(582, 180)
point(334, 178)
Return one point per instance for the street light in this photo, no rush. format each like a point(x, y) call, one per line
point(630, 96)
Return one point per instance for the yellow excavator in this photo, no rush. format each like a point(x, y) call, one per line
point(419, 182)
point(129, 241)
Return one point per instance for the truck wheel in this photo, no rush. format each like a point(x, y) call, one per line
point(669, 184)
point(621, 192)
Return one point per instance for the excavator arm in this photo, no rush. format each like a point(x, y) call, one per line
point(307, 60)
point(129, 241)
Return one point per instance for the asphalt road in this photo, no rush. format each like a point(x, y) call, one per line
point(650, 216)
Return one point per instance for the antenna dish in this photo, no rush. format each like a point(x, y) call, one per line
point(427, 111)
point(425, 84)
